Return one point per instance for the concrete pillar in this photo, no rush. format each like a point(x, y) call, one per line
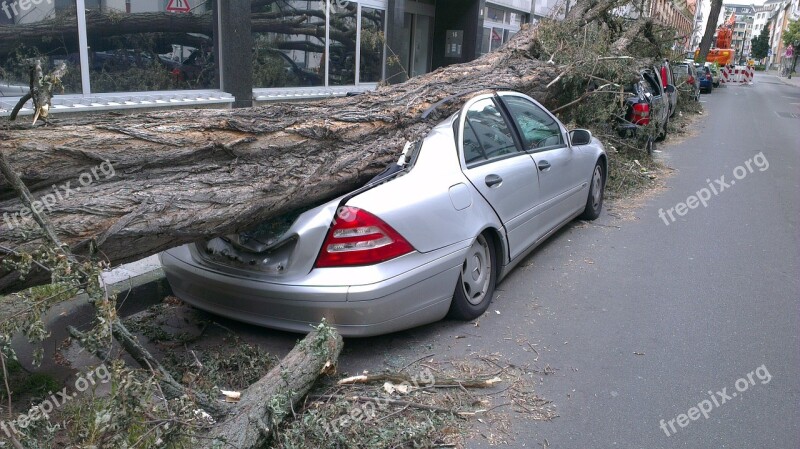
point(234, 49)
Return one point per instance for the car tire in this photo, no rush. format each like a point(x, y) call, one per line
point(476, 282)
point(597, 185)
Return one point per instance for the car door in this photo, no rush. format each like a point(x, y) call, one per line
point(562, 180)
point(503, 174)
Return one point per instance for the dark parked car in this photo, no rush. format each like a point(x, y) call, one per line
point(706, 79)
point(198, 67)
point(686, 73)
point(647, 109)
point(304, 77)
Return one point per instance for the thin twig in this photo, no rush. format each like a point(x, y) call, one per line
point(386, 401)
point(415, 361)
point(8, 388)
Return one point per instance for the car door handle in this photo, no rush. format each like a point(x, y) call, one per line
point(493, 180)
point(543, 165)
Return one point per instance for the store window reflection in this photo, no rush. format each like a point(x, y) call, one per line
point(46, 32)
point(289, 39)
point(373, 39)
point(139, 46)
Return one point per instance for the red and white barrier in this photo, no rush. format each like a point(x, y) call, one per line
point(742, 75)
point(725, 78)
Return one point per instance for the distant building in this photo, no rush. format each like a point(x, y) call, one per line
point(677, 14)
point(699, 25)
point(783, 12)
point(742, 28)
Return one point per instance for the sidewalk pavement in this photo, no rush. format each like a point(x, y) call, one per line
point(795, 81)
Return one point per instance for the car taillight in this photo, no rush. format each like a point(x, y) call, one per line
point(690, 80)
point(641, 114)
point(359, 238)
point(664, 77)
point(708, 76)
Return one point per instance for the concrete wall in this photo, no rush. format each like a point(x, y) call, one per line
point(461, 15)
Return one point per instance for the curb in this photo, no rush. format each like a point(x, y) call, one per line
point(133, 295)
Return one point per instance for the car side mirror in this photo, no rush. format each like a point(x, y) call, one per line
point(670, 89)
point(580, 137)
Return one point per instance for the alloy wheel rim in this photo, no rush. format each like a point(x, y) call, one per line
point(476, 272)
point(597, 192)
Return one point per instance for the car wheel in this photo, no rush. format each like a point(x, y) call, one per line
point(476, 283)
point(594, 203)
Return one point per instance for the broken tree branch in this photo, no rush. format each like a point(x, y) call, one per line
point(266, 403)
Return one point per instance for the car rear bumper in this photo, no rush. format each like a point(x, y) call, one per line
point(627, 129)
point(418, 296)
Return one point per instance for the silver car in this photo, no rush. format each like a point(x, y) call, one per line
point(428, 238)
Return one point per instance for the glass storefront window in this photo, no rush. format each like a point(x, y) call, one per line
point(373, 39)
point(21, 45)
point(342, 47)
point(133, 50)
point(289, 52)
point(494, 14)
point(497, 38)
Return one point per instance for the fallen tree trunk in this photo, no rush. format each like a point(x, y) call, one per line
point(266, 403)
point(141, 184)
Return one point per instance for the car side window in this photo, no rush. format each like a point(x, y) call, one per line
point(486, 133)
point(537, 127)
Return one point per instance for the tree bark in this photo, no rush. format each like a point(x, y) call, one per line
point(266, 403)
point(711, 27)
point(179, 176)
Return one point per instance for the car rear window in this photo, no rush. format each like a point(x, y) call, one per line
point(681, 69)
